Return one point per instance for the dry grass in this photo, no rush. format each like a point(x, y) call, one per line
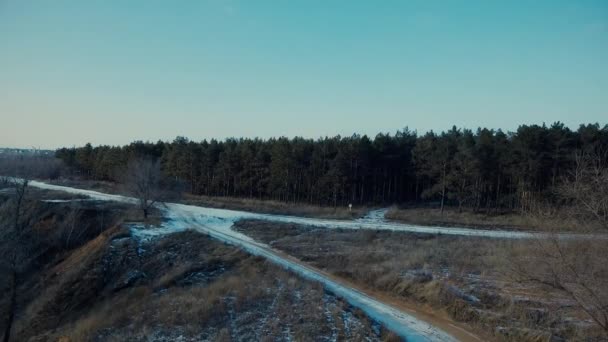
point(466, 218)
point(276, 207)
point(102, 186)
point(256, 299)
point(471, 279)
point(115, 288)
point(236, 203)
point(169, 279)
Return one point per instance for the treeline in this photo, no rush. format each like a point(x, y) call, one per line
point(482, 169)
point(30, 164)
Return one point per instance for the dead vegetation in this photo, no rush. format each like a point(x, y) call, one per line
point(471, 279)
point(452, 217)
point(107, 285)
point(276, 207)
point(252, 301)
point(234, 203)
point(34, 234)
point(181, 286)
point(577, 269)
point(577, 204)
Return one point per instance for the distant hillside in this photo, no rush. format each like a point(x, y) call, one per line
point(25, 151)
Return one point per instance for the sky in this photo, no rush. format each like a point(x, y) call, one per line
point(115, 71)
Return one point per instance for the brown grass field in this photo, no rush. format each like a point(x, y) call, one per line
point(470, 279)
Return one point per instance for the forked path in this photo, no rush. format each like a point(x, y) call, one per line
point(373, 223)
point(217, 223)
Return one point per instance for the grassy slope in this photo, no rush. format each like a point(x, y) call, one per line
point(113, 287)
point(441, 271)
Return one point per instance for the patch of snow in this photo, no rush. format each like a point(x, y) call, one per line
point(183, 216)
point(329, 318)
point(225, 218)
point(230, 302)
point(217, 223)
point(460, 294)
point(374, 216)
point(143, 233)
point(120, 240)
point(67, 200)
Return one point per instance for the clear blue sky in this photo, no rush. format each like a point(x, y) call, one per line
point(109, 72)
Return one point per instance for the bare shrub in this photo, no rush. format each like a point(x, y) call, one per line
point(587, 185)
point(576, 268)
point(71, 223)
point(142, 180)
point(470, 278)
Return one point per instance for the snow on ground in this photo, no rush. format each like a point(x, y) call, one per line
point(374, 224)
point(374, 216)
point(217, 223)
point(374, 220)
point(67, 200)
point(181, 216)
point(89, 193)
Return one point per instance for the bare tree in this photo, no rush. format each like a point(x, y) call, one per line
point(13, 254)
point(142, 180)
point(587, 185)
point(576, 268)
point(20, 188)
point(71, 221)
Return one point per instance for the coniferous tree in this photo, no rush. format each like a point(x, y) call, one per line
point(486, 170)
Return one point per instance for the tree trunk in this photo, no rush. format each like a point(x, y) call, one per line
point(416, 191)
point(18, 210)
point(12, 308)
point(442, 198)
point(461, 195)
point(497, 193)
point(361, 194)
point(443, 189)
